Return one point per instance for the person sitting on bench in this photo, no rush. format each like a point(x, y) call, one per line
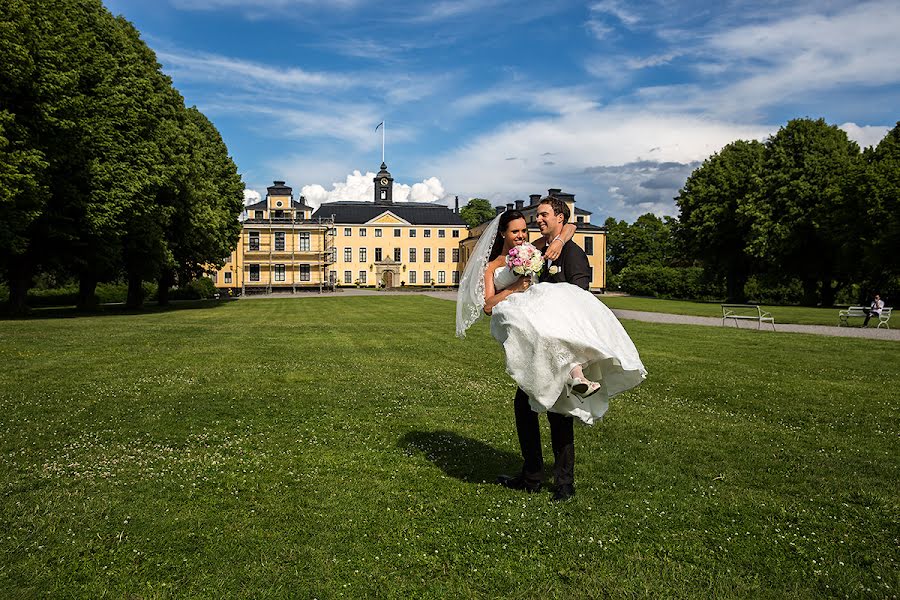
point(875, 309)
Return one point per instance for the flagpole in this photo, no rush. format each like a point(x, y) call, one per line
point(382, 140)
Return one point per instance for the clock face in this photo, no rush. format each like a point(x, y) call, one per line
point(384, 181)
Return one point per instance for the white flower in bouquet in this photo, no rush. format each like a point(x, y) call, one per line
point(525, 260)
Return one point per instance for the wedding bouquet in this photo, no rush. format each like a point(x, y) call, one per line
point(525, 260)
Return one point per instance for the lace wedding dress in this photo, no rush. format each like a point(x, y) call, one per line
point(551, 327)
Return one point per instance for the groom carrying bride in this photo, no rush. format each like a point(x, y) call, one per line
point(571, 267)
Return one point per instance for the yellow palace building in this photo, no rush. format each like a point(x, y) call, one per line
point(286, 246)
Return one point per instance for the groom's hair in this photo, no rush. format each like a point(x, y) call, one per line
point(559, 207)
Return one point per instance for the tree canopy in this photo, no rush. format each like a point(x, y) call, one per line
point(477, 211)
point(104, 173)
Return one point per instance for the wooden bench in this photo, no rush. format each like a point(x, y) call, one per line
point(845, 315)
point(746, 312)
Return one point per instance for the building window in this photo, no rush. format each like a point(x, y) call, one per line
point(332, 231)
point(412, 233)
point(348, 254)
point(412, 277)
point(279, 272)
point(442, 255)
point(362, 232)
point(456, 233)
point(426, 255)
point(377, 253)
point(396, 254)
point(304, 273)
point(348, 231)
point(580, 219)
point(455, 255)
point(304, 241)
point(442, 277)
point(254, 241)
point(279, 241)
point(455, 277)
point(348, 276)
point(589, 246)
point(396, 233)
point(227, 276)
point(257, 214)
point(412, 255)
point(442, 233)
point(334, 255)
point(362, 277)
point(426, 276)
point(279, 214)
point(362, 255)
point(254, 272)
point(377, 232)
point(332, 277)
point(426, 233)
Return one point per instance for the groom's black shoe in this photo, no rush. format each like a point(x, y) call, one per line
point(563, 492)
point(519, 483)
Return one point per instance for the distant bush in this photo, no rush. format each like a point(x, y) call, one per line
point(196, 289)
point(668, 282)
point(768, 289)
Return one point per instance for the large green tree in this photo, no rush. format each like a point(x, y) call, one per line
point(799, 217)
point(714, 225)
point(477, 211)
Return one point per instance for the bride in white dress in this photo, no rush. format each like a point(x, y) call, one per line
point(559, 339)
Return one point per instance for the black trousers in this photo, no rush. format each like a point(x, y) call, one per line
point(869, 314)
point(562, 437)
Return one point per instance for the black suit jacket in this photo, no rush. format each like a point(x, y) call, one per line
point(573, 267)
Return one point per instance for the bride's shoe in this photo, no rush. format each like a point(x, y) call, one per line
point(579, 386)
point(592, 388)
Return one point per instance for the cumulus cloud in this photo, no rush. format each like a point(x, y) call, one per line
point(866, 135)
point(360, 187)
point(251, 197)
point(593, 151)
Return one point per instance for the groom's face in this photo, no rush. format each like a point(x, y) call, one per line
point(548, 222)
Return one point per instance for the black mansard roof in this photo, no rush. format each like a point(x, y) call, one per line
point(417, 213)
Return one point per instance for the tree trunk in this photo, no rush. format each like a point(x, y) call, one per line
point(87, 286)
point(164, 283)
point(829, 293)
point(735, 282)
point(135, 291)
point(810, 292)
point(20, 282)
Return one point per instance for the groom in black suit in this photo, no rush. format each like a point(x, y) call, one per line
point(571, 267)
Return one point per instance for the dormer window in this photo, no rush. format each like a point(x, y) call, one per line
point(257, 214)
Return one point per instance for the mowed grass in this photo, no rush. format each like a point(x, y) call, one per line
point(346, 447)
point(798, 315)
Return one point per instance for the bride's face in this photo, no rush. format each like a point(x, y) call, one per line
point(516, 233)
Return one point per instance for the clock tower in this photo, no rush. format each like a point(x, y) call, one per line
point(384, 186)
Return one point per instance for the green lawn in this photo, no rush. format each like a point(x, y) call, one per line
point(800, 315)
point(345, 447)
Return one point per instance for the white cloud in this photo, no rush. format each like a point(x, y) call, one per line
point(201, 66)
point(631, 140)
point(360, 187)
point(617, 10)
point(251, 197)
point(867, 135)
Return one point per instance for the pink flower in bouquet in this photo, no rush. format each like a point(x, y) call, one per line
point(525, 260)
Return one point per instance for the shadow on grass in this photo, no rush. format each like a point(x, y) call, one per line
point(108, 310)
point(464, 458)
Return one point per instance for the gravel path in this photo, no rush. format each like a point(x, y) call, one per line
point(649, 317)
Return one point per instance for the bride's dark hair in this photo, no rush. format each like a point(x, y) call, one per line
point(505, 219)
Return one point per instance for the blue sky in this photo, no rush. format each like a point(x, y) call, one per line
point(616, 102)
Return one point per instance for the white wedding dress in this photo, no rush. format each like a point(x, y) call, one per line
point(550, 328)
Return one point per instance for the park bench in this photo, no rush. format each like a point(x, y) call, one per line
point(746, 312)
point(846, 314)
